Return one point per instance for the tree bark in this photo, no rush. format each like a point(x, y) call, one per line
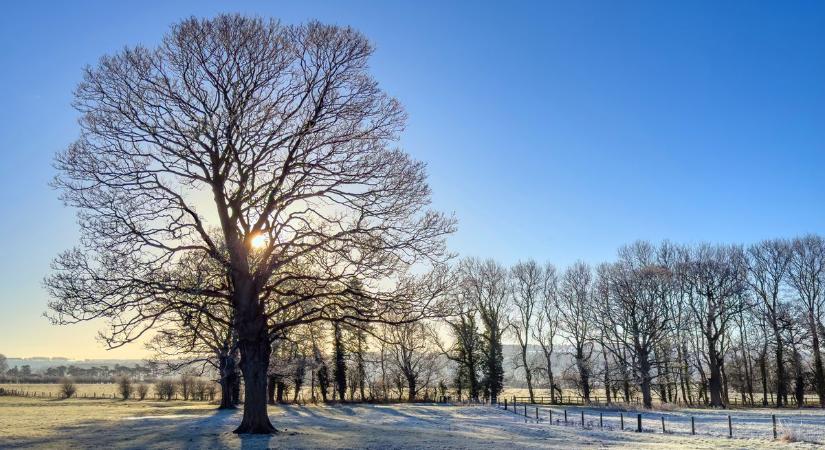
point(411, 388)
point(254, 364)
point(819, 372)
point(528, 376)
point(781, 378)
point(763, 371)
point(715, 380)
point(644, 373)
point(584, 374)
point(227, 374)
point(606, 377)
point(272, 381)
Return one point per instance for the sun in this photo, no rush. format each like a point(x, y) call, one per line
point(258, 241)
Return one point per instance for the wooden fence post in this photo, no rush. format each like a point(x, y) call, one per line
point(565, 417)
point(773, 418)
point(525, 410)
point(582, 418)
point(601, 422)
point(621, 420)
point(505, 404)
point(638, 423)
point(663, 425)
point(692, 426)
point(730, 427)
point(551, 417)
point(537, 413)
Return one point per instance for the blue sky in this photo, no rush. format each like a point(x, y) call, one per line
point(553, 130)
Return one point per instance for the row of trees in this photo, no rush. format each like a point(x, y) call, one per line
point(96, 374)
point(698, 322)
point(342, 362)
point(187, 386)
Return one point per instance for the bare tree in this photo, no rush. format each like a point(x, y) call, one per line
point(166, 388)
point(768, 263)
point(635, 314)
point(283, 133)
point(528, 282)
point(807, 277)
point(575, 307)
point(547, 324)
point(142, 391)
point(716, 276)
point(412, 354)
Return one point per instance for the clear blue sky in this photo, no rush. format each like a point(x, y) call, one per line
point(553, 130)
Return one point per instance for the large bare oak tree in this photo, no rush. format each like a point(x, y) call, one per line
point(277, 139)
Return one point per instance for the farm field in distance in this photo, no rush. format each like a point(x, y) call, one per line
point(88, 389)
point(30, 422)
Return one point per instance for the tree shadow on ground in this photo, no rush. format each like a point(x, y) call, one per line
point(351, 426)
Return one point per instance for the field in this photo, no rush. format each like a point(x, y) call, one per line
point(89, 390)
point(49, 423)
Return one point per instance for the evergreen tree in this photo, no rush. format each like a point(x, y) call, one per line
point(339, 371)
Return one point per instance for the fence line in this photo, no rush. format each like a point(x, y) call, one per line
point(541, 412)
point(735, 402)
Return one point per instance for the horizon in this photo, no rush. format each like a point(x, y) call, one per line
point(553, 131)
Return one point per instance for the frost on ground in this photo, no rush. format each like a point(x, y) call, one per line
point(26, 423)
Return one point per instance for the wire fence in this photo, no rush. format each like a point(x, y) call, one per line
point(794, 425)
point(809, 400)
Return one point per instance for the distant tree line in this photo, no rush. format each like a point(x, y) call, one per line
point(96, 374)
point(698, 324)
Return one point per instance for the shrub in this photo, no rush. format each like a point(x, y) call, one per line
point(142, 391)
point(124, 387)
point(67, 387)
point(789, 433)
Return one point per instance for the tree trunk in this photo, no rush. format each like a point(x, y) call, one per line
point(270, 389)
point(763, 371)
point(715, 380)
point(644, 373)
point(725, 396)
point(362, 378)
point(819, 371)
point(472, 379)
point(548, 356)
point(254, 364)
point(606, 376)
point(340, 368)
point(584, 375)
point(227, 373)
point(781, 378)
point(411, 388)
point(626, 388)
point(527, 374)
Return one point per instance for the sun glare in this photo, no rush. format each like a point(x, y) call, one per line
point(258, 241)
